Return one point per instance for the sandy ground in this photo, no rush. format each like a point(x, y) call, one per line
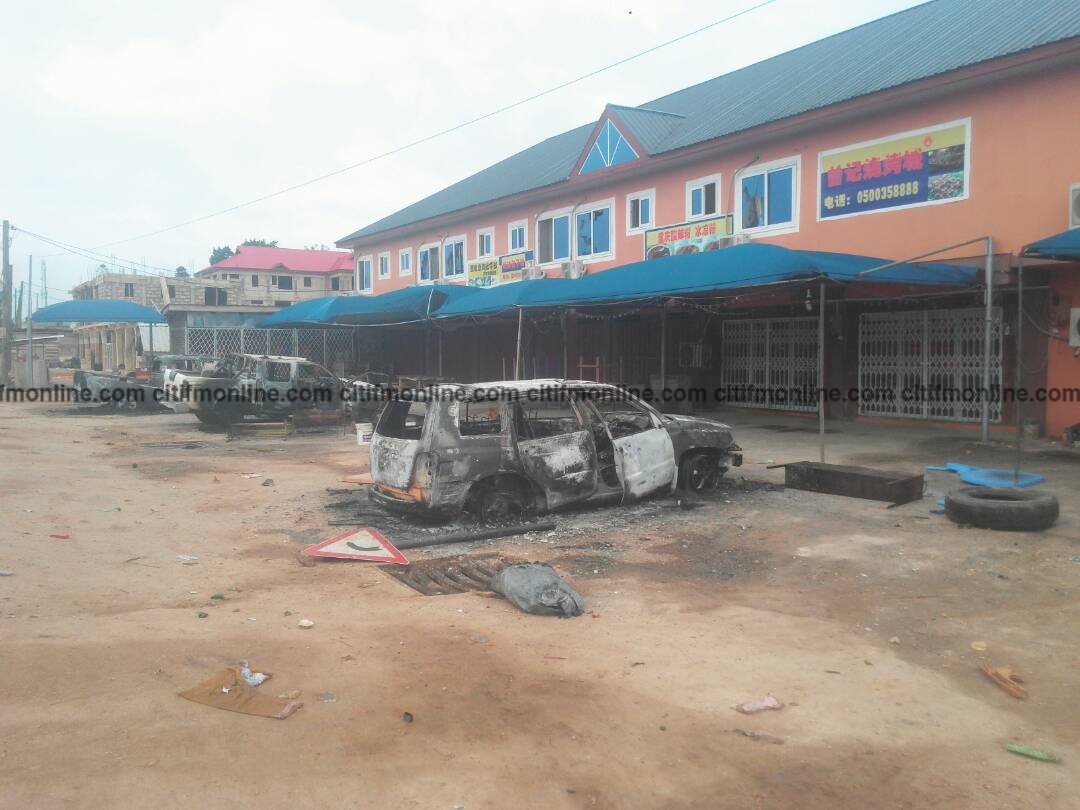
point(761, 591)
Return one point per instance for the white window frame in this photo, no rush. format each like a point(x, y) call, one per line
point(607, 255)
point(795, 162)
point(567, 212)
point(360, 275)
point(403, 271)
point(703, 181)
point(490, 234)
point(463, 275)
point(384, 255)
point(510, 228)
point(650, 195)
point(423, 248)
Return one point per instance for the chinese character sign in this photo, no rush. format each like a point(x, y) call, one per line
point(917, 168)
point(689, 237)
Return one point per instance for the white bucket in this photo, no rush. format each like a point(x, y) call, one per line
point(364, 432)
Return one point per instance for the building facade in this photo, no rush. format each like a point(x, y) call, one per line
point(280, 277)
point(961, 125)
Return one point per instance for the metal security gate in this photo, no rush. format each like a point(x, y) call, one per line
point(332, 348)
point(927, 364)
point(771, 363)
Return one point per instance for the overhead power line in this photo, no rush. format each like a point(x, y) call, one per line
point(433, 136)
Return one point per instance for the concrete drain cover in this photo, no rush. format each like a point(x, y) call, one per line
point(449, 574)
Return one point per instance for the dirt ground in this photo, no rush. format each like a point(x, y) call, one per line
point(858, 617)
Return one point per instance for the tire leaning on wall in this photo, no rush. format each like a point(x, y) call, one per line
point(1017, 510)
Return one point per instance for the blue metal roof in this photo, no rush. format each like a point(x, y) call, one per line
point(1064, 245)
point(97, 310)
point(918, 43)
point(406, 305)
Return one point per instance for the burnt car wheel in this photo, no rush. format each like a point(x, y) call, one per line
point(700, 472)
point(499, 504)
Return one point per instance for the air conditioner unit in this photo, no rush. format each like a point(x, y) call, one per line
point(574, 269)
point(1074, 205)
point(532, 270)
point(1074, 327)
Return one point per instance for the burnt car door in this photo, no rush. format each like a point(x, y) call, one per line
point(556, 450)
point(644, 454)
point(315, 387)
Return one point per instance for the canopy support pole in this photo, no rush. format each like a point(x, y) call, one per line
point(517, 353)
point(821, 370)
point(565, 348)
point(987, 341)
point(663, 344)
point(1019, 381)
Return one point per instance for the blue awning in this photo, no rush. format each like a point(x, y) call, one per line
point(1064, 245)
point(97, 310)
point(406, 305)
point(740, 266)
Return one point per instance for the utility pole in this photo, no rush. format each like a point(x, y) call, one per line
point(30, 324)
point(44, 286)
point(18, 305)
point(5, 305)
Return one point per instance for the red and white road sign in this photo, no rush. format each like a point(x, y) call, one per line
point(358, 544)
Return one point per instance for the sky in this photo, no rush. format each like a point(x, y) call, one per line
point(119, 119)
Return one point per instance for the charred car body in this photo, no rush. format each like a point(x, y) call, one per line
point(500, 450)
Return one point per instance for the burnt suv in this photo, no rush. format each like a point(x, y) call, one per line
point(505, 449)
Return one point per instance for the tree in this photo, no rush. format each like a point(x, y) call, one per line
point(258, 243)
point(182, 272)
point(219, 254)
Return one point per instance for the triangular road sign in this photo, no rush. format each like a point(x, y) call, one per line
point(358, 544)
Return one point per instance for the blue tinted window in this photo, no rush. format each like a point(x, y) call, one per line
point(584, 234)
point(601, 231)
point(644, 215)
point(561, 227)
point(609, 149)
point(780, 190)
point(696, 206)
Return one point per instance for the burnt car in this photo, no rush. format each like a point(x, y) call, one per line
point(502, 450)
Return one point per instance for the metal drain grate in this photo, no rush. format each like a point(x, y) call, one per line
point(449, 574)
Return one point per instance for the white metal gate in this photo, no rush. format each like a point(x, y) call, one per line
point(332, 348)
point(928, 364)
point(771, 363)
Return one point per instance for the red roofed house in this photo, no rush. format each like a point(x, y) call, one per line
point(280, 277)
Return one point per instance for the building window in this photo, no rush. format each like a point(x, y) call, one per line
point(404, 262)
point(485, 243)
point(609, 149)
point(284, 282)
point(254, 280)
point(768, 196)
point(335, 284)
point(384, 265)
point(129, 291)
point(553, 238)
point(213, 296)
point(428, 260)
point(454, 257)
point(593, 228)
point(363, 274)
point(702, 197)
point(517, 236)
point(640, 210)
point(172, 291)
point(307, 281)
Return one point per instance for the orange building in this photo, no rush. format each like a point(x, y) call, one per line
point(945, 123)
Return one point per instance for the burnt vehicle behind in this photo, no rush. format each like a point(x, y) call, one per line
point(260, 385)
point(505, 449)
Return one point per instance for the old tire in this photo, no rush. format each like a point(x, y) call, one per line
point(700, 472)
point(218, 416)
point(499, 503)
point(1017, 510)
